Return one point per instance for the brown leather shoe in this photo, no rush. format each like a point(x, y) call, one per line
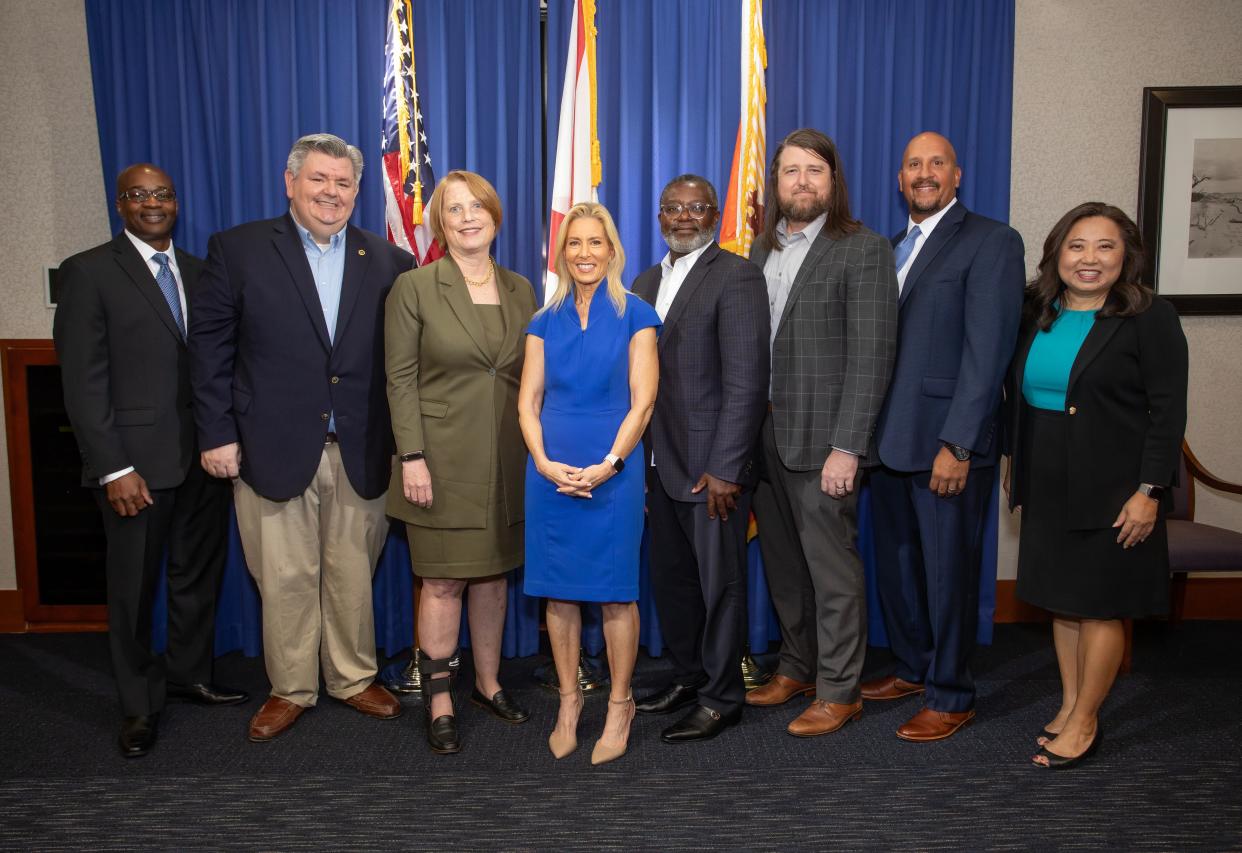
point(824, 717)
point(275, 717)
point(376, 702)
point(933, 725)
point(778, 691)
point(890, 687)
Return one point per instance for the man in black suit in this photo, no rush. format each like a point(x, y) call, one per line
point(120, 336)
point(701, 446)
point(287, 358)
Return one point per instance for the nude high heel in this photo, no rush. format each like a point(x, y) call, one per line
point(563, 745)
point(603, 753)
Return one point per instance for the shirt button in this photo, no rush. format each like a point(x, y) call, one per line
point(1073, 410)
point(335, 379)
point(491, 371)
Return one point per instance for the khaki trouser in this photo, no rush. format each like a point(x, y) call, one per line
point(313, 558)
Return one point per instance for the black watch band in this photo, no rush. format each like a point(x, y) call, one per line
point(961, 454)
point(411, 456)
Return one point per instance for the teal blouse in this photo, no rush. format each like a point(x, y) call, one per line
point(1046, 377)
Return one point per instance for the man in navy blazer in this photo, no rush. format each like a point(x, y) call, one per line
point(287, 361)
point(960, 278)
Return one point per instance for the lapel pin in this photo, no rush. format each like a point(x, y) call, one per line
point(362, 251)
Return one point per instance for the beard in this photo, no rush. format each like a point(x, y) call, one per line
point(931, 206)
point(686, 245)
point(804, 210)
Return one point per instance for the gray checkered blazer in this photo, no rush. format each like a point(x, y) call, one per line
point(834, 349)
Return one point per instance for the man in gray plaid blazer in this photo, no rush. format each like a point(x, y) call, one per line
point(704, 435)
point(832, 293)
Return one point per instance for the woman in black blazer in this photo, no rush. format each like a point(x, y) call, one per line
point(1097, 414)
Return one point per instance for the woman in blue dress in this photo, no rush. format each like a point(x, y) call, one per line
point(588, 388)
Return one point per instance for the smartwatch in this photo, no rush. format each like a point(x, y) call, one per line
point(617, 463)
point(1153, 492)
point(411, 456)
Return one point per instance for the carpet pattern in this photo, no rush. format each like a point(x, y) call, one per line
point(1166, 778)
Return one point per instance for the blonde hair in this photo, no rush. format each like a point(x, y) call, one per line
point(616, 291)
point(479, 187)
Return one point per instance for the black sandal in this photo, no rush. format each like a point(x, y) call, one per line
point(442, 731)
point(1061, 762)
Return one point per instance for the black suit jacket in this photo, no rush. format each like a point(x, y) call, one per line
point(1126, 405)
point(124, 366)
point(267, 374)
point(713, 373)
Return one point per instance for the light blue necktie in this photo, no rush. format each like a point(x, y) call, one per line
point(168, 287)
point(905, 247)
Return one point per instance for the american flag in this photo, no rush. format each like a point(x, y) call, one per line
point(407, 162)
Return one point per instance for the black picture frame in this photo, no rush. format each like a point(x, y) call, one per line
point(1157, 102)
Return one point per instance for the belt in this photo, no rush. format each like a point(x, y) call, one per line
point(330, 438)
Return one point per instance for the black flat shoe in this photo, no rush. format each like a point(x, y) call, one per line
point(442, 735)
point(1060, 762)
point(138, 735)
point(700, 724)
point(669, 699)
point(501, 706)
point(207, 694)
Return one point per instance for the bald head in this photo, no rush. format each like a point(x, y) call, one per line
point(929, 175)
point(150, 219)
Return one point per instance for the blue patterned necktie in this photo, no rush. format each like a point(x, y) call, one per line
point(168, 287)
point(906, 246)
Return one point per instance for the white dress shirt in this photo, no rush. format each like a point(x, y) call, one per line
point(925, 229)
point(672, 275)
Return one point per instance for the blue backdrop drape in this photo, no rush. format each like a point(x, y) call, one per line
point(215, 91)
point(869, 73)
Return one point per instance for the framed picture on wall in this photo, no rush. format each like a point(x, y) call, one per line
point(1190, 195)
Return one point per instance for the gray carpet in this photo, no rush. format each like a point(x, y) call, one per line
point(1166, 778)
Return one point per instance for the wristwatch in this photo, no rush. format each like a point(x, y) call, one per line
point(1153, 492)
point(617, 463)
point(961, 454)
point(411, 456)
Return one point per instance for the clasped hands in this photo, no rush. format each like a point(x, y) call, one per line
point(576, 482)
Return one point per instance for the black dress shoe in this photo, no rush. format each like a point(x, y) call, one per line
point(442, 735)
point(700, 724)
point(669, 699)
point(207, 694)
point(501, 706)
point(138, 735)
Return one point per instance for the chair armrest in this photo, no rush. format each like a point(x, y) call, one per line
point(1203, 475)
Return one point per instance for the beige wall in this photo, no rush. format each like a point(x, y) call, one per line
point(1079, 71)
point(1080, 67)
point(51, 171)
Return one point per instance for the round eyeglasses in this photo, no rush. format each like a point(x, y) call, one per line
point(696, 209)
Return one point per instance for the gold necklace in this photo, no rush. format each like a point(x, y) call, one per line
point(491, 269)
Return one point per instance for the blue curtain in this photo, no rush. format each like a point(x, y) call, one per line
point(869, 73)
point(215, 91)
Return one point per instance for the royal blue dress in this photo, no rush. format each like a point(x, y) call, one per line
point(580, 549)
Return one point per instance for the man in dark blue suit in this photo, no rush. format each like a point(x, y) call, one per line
point(287, 361)
point(960, 278)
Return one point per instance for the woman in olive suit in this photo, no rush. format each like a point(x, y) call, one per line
point(453, 345)
point(1097, 399)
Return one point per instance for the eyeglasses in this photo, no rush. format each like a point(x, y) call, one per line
point(696, 209)
point(139, 196)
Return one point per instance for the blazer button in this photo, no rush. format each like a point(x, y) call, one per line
point(323, 416)
point(491, 371)
point(1073, 410)
point(335, 379)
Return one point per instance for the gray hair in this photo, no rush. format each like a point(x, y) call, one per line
point(324, 143)
point(692, 179)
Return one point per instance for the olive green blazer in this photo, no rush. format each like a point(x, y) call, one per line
point(450, 399)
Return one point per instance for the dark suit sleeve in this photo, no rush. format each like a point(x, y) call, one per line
point(993, 305)
point(214, 317)
point(743, 334)
point(80, 331)
point(1164, 364)
point(871, 332)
